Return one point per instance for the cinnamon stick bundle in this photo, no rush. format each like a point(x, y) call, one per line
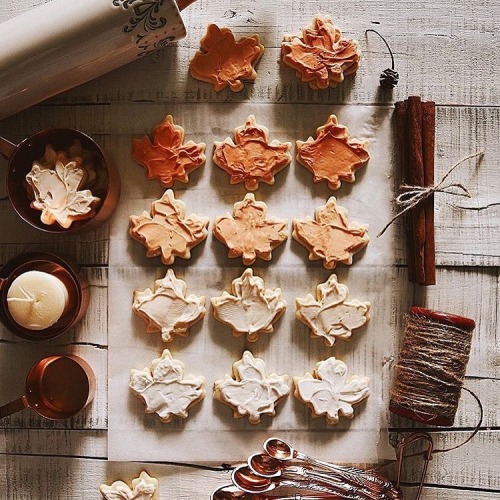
point(415, 127)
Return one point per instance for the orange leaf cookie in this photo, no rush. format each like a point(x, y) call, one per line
point(333, 156)
point(330, 236)
point(248, 233)
point(167, 231)
point(167, 159)
point(319, 55)
point(251, 158)
point(224, 61)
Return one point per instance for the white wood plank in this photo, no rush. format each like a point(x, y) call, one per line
point(430, 493)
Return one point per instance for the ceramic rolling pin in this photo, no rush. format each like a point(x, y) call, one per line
point(64, 43)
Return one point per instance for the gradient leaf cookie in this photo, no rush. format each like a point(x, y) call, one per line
point(330, 236)
point(248, 233)
point(224, 61)
point(144, 487)
point(329, 392)
point(332, 315)
point(167, 158)
point(333, 156)
point(167, 231)
point(167, 308)
point(251, 158)
point(320, 56)
point(251, 309)
point(252, 391)
point(165, 389)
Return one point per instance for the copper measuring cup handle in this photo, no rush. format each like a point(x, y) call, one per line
point(14, 406)
point(7, 148)
point(182, 4)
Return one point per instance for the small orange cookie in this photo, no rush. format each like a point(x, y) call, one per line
point(167, 159)
point(167, 231)
point(224, 61)
point(251, 158)
point(319, 55)
point(247, 233)
point(333, 156)
point(330, 236)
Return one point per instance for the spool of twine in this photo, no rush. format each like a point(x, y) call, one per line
point(431, 367)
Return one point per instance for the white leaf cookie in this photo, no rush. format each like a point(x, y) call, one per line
point(167, 308)
point(165, 389)
point(251, 309)
point(144, 487)
point(331, 315)
point(328, 391)
point(251, 392)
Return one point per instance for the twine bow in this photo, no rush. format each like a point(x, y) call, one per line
point(411, 196)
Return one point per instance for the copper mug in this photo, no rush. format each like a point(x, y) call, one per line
point(21, 158)
point(57, 387)
point(76, 284)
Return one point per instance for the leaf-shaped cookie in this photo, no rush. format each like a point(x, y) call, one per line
point(333, 156)
point(251, 309)
point(144, 487)
point(252, 391)
point(167, 308)
point(251, 158)
point(320, 56)
point(224, 61)
point(167, 231)
point(248, 233)
point(330, 236)
point(328, 391)
point(165, 389)
point(57, 196)
point(167, 158)
point(332, 315)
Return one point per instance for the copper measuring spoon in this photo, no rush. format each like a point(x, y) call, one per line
point(231, 492)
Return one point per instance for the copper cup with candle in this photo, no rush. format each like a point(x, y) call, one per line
point(77, 294)
point(31, 149)
point(57, 387)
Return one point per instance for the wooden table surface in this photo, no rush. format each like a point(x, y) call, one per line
point(445, 51)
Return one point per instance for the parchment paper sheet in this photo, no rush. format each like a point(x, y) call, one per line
point(211, 433)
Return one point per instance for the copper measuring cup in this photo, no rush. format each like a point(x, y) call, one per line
point(21, 158)
point(76, 284)
point(57, 387)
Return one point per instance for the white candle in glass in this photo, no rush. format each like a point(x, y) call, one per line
point(36, 300)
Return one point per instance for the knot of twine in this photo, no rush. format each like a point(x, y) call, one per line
point(412, 196)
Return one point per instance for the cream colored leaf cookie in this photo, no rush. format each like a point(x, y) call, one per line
point(144, 487)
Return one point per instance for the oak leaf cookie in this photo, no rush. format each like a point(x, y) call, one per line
point(320, 56)
point(224, 61)
point(248, 233)
point(165, 389)
point(144, 487)
point(333, 156)
point(328, 391)
point(330, 236)
point(331, 315)
point(167, 158)
point(251, 309)
point(251, 158)
point(252, 391)
point(167, 308)
point(167, 232)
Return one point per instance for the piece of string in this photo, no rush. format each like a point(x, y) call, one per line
point(414, 195)
point(484, 207)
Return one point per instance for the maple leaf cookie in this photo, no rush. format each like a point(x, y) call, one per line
point(328, 391)
point(333, 156)
point(248, 233)
point(165, 389)
point(252, 391)
point(167, 158)
point(320, 56)
point(331, 315)
point(330, 236)
point(144, 487)
point(251, 158)
point(251, 309)
point(224, 61)
point(167, 308)
point(167, 232)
